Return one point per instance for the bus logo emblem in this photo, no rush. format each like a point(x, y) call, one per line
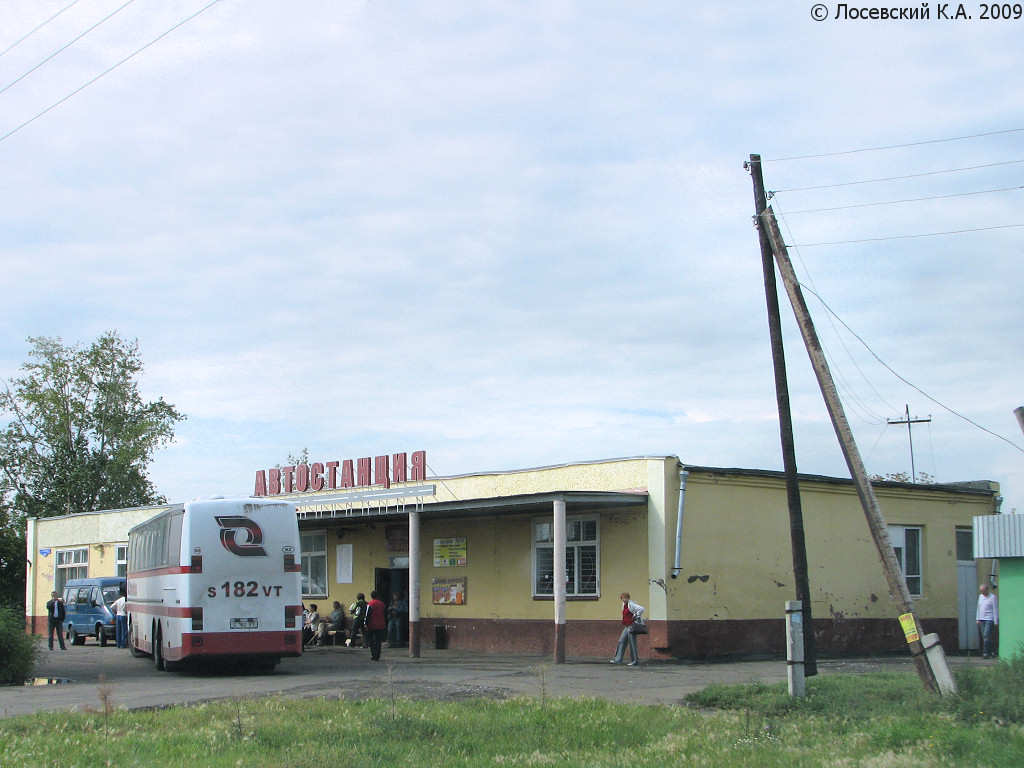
point(230, 525)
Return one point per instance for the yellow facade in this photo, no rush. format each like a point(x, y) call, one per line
point(734, 572)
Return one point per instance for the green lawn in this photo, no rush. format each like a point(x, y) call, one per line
point(846, 720)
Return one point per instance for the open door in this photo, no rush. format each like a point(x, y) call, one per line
point(967, 590)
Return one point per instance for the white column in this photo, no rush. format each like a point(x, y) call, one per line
point(414, 584)
point(559, 576)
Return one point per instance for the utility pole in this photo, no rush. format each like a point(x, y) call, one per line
point(796, 515)
point(876, 523)
point(1019, 413)
point(908, 421)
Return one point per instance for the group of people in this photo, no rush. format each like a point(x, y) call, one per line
point(55, 615)
point(373, 623)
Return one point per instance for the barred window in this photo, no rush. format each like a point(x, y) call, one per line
point(582, 564)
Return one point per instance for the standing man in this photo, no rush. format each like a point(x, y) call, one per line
point(988, 617)
point(120, 608)
point(376, 625)
point(55, 619)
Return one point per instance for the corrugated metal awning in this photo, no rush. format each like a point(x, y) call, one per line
point(999, 536)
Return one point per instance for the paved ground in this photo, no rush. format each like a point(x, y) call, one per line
point(349, 673)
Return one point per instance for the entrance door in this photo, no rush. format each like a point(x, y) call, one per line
point(388, 581)
point(967, 590)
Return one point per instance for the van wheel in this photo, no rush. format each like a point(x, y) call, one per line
point(158, 651)
point(101, 635)
point(74, 637)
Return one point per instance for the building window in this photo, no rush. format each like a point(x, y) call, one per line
point(582, 565)
point(122, 560)
point(906, 540)
point(71, 564)
point(314, 563)
point(965, 545)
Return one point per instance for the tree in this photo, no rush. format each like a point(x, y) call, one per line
point(78, 436)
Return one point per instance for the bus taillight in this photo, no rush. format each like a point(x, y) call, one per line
point(197, 563)
point(197, 619)
point(290, 612)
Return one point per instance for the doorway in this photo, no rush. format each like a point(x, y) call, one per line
point(966, 590)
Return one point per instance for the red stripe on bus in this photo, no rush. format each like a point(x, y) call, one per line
point(175, 612)
point(218, 644)
point(171, 570)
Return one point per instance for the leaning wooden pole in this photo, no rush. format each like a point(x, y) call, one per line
point(879, 531)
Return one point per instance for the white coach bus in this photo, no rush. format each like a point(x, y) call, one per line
point(217, 579)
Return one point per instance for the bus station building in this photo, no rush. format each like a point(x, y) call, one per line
point(706, 550)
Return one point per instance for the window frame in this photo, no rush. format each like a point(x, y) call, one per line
point(121, 560)
point(63, 572)
point(575, 544)
point(913, 576)
point(307, 557)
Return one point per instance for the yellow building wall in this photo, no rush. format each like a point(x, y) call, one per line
point(736, 533)
point(101, 532)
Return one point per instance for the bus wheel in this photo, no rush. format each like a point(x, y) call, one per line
point(158, 651)
point(101, 635)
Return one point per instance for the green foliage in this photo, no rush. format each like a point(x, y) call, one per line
point(840, 729)
point(79, 436)
point(20, 650)
point(991, 694)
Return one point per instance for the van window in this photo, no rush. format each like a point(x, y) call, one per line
point(83, 596)
point(110, 593)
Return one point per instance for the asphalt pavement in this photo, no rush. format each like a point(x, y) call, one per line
point(71, 679)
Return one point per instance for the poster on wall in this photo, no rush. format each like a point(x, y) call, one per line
point(449, 552)
point(343, 573)
point(449, 591)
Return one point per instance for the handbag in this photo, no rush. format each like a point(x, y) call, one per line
point(638, 627)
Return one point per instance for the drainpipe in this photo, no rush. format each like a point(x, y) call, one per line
point(677, 565)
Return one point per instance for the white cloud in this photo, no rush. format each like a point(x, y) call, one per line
point(515, 234)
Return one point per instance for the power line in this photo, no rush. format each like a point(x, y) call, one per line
point(108, 71)
point(905, 381)
point(893, 146)
point(906, 200)
point(909, 237)
point(26, 37)
point(898, 178)
point(66, 46)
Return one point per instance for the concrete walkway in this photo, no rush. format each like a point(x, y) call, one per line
point(350, 673)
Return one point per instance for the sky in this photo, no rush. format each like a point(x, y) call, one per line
point(517, 234)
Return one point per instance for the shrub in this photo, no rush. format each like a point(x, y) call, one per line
point(21, 650)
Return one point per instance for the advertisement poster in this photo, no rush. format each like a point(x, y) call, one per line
point(449, 591)
point(449, 552)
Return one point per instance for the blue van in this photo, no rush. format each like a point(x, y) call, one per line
point(87, 607)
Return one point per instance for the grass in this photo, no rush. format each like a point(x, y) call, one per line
point(876, 721)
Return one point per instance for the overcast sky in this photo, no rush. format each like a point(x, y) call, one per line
point(515, 234)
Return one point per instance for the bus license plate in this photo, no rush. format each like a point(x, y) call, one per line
point(245, 623)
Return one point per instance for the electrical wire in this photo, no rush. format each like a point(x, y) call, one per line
point(894, 146)
point(910, 237)
point(26, 37)
point(66, 46)
point(905, 381)
point(108, 71)
point(907, 200)
point(901, 178)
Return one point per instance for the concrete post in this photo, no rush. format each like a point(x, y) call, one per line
point(795, 648)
